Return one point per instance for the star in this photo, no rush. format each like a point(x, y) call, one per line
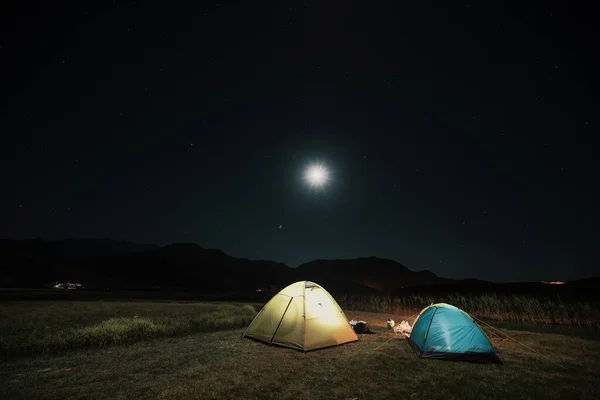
point(280, 226)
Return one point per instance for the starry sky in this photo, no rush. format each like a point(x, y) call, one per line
point(459, 137)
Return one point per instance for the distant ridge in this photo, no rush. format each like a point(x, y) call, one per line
point(381, 274)
point(105, 264)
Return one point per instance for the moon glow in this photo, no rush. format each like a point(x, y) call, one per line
point(316, 175)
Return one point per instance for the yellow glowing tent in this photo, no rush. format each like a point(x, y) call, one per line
point(302, 316)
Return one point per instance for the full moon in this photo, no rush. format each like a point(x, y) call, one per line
point(316, 175)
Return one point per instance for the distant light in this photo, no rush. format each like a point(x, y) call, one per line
point(316, 175)
point(554, 283)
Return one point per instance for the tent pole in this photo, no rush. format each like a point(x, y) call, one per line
point(304, 316)
point(427, 331)
point(281, 320)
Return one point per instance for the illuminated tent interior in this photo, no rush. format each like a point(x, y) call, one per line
point(302, 316)
point(446, 332)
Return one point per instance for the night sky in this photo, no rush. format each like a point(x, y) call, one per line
point(459, 138)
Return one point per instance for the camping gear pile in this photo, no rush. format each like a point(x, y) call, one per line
point(390, 324)
point(403, 327)
point(361, 327)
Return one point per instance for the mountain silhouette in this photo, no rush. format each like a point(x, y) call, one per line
point(380, 274)
point(185, 266)
point(105, 264)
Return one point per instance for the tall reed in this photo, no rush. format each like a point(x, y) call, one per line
point(513, 308)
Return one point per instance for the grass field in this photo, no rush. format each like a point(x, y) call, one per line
point(36, 327)
point(189, 363)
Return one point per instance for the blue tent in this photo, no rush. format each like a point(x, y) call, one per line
point(447, 332)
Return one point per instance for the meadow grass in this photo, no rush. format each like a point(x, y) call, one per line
point(222, 365)
point(490, 307)
point(46, 326)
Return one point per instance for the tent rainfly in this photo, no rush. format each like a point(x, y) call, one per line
point(302, 316)
point(444, 331)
